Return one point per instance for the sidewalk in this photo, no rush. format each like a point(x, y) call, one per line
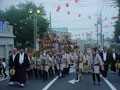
point(2, 78)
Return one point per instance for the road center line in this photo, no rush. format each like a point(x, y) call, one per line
point(49, 84)
point(109, 84)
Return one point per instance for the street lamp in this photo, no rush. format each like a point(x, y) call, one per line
point(35, 25)
point(38, 11)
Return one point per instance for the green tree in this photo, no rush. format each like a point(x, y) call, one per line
point(117, 26)
point(22, 21)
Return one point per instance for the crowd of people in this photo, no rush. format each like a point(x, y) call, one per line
point(47, 64)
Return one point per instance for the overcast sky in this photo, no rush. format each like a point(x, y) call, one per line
point(76, 25)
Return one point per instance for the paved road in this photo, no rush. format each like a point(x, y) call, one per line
point(63, 84)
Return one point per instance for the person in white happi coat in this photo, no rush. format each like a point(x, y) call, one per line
point(63, 64)
point(67, 69)
point(44, 62)
point(78, 64)
point(51, 65)
point(95, 63)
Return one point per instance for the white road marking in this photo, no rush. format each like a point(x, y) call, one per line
point(72, 81)
point(4, 79)
point(49, 84)
point(109, 84)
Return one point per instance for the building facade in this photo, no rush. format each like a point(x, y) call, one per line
point(6, 40)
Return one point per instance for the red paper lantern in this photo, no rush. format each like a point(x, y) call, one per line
point(79, 15)
point(86, 34)
point(89, 17)
point(68, 12)
point(59, 7)
point(117, 19)
point(76, 1)
point(111, 22)
point(67, 4)
point(106, 18)
point(114, 18)
point(98, 18)
point(57, 10)
point(75, 35)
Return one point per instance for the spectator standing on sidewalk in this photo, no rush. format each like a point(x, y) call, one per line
point(4, 67)
point(1, 67)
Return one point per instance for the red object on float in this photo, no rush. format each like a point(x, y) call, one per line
point(76, 1)
point(67, 4)
point(117, 19)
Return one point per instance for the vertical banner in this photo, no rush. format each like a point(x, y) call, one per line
point(1, 26)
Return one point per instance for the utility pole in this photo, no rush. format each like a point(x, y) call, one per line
point(97, 33)
point(101, 38)
point(35, 30)
point(50, 21)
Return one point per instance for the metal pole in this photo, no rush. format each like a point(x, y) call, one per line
point(101, 29)
point(35, 30)
point(50, 21)
point(103, 40)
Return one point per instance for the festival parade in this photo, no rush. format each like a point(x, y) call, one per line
point(59, 45)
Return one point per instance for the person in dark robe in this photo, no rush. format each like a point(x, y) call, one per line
point(11, 65)
point(113, 60)
point(105, 57)
point(21, 66)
